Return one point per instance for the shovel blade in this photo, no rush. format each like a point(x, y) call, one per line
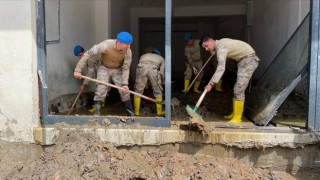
point(192, 112)
point(196, 119)
point(200, 124)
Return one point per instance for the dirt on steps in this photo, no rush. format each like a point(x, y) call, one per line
point(76, 155)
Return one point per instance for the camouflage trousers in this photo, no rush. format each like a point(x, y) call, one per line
point(104, 74)
point(246, 68)
point(189, 71)
point(149, 72)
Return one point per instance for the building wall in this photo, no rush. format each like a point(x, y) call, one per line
point(18, 71)
point(273, 23)
point(81, 22)
point(102, 20)
point(119, 18)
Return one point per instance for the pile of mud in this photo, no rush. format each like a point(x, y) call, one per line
point(82, 156)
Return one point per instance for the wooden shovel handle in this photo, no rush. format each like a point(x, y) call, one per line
point(194, 79)
point(200, 99)
point(74, 103)
point(118, 87)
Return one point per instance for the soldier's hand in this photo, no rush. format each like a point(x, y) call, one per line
point(82, 87)
point(77, 75)
point(125, 89)
point(209, 87)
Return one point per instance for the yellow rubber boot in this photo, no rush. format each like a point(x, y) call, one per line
point(231, 115)
point(238, 110)
point(160, 112)
point(218, 86)
point(196, 86)
point(186, 85)
point(91, 110)
point(136, 102)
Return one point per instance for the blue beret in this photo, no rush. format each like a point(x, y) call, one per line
point(187, 37)
point(77, 50)
point(156, 51)
point(125, 37)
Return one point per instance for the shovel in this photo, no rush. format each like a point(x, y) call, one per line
point(195, 78)
point(74, 103)
point(118, 87)
point(196, 119)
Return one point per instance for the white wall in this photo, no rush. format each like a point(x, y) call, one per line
point(274, 21)
point(102, 20)
point(82, 22)
point(18, 74)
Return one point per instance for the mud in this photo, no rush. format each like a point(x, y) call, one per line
point(83, 156)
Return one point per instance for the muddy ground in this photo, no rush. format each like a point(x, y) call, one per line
point(82, 156)
point(214, 106)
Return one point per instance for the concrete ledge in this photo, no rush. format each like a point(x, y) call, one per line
point(129, 136)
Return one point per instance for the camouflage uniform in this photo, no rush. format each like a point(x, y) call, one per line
point(150, 67)
point(247, 63)
point(92, 65)
point(114, 64)
point(193, 59)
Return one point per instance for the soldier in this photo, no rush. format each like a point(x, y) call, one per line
point(92, 65)
point(247, 60)
point(150, 67)
point(194, 62)
point(115, 56)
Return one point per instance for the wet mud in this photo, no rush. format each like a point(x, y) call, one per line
point(83, 156)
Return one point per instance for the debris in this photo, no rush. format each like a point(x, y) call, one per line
point(77, 155)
